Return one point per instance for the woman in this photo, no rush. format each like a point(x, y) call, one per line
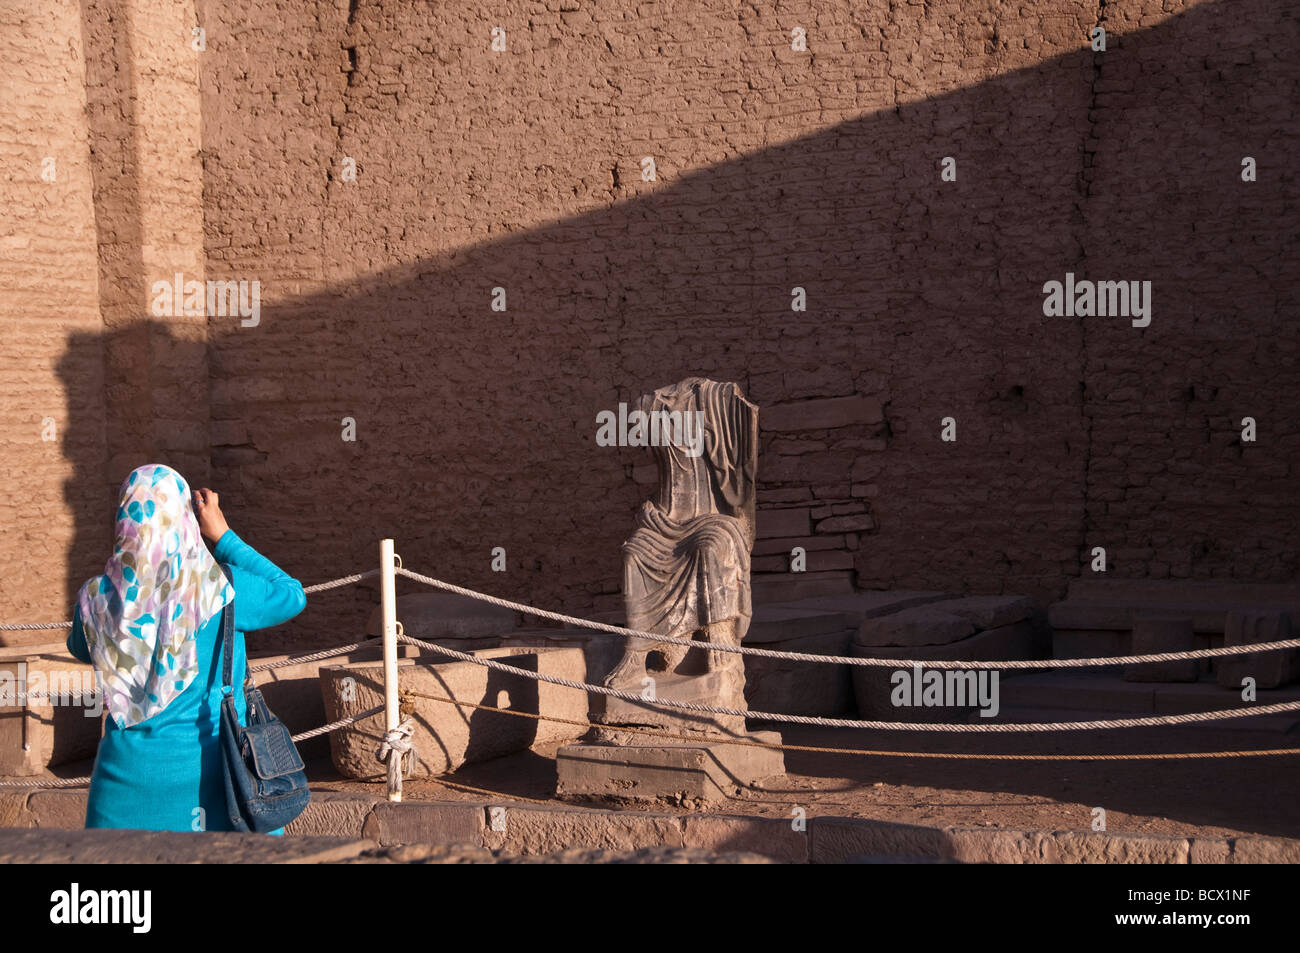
point(151, 625)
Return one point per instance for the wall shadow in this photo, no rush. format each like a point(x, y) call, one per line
point(475, 429)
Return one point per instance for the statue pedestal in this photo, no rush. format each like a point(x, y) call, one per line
point(685, 773)
point(724, 688)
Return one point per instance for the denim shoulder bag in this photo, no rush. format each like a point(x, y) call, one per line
point(266, 783)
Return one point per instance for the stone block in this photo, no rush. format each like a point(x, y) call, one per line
point(791, 587)
point(979, 845)
point(770, 836)
point(782, 545)
point(425, 822)
point(1265, 850)
point(846, 524)
point(109, 846)
point(532, 830)
point(13, 808)
point(1173, 591)
point(1085, 616)
point(923, 625)
point(293, 691)
point(989, 612)
point(333, 814)
point(791, 521)
point(23, 746)
point(721, 686)
point(677, 773)
point(446, 735)
point(826, 413)
point(1157, 634)
point(1083, 690)
point(799, 688)
point(1206, 619)
point(600, 649)
point(1269, 669)
point(1090, 643)
point(873, 688)
point(1100, 847)
point(48, 732)
point(61, 808)
point(1209, 850)
point(780, 622)
point(870, 603)
point(846, 840)
point(446, 615)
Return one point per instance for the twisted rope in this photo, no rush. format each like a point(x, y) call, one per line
point(852, 660)
point(336, 725)
point(283, 663)
point(304, 659)
point(77, 782)
point(318, 587)
point(25, 626)
point(398, 741)
point(48, 783)
point(341, 581)
point(1145, 722)
point(73, 693)
point(823, 749)
point(1009, 664)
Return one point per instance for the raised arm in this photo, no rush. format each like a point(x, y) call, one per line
point(265, 595)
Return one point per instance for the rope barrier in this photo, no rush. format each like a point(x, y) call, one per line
point(341, 581)
point(822, 749)
point(336, 725)
point(1145, 722)
point(294, 660)
point(398, 741)
point(303, 736)
point(283, 663)
point(318, 587)
point(47, 783)
point(304, 659)
point(70, 693)
point(1227, 650)
point(396, 748)
point(1008, 664)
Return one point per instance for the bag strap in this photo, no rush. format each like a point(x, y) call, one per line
point(227, 637)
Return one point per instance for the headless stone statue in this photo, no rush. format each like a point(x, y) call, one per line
point(686, 566)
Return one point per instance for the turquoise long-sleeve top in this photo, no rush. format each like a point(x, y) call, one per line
point(165, 774)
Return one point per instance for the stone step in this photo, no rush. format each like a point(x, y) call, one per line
point(1213, 592)
point(1115, 615)
point(792, 587)
point(1107, 694)
point(869, 604)
point(1269, 724)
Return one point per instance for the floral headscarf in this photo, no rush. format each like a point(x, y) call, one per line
point(142, 616)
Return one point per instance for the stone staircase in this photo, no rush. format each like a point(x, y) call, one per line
point(1097, 615)
point(1104, 694)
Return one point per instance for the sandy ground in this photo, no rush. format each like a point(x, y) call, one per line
point(1211, 797)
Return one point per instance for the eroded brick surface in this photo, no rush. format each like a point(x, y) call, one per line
point(775, 169)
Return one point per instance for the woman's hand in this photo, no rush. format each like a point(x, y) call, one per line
point(212, 522)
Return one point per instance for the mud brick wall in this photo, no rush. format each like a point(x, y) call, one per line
point(50, 324)
point(108, 90)
point(775, 170)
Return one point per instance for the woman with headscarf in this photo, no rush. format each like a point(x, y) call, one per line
point(151, 626)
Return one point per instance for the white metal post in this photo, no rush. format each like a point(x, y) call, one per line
point(388, 605)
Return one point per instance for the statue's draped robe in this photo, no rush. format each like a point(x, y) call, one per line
point(686, 566)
